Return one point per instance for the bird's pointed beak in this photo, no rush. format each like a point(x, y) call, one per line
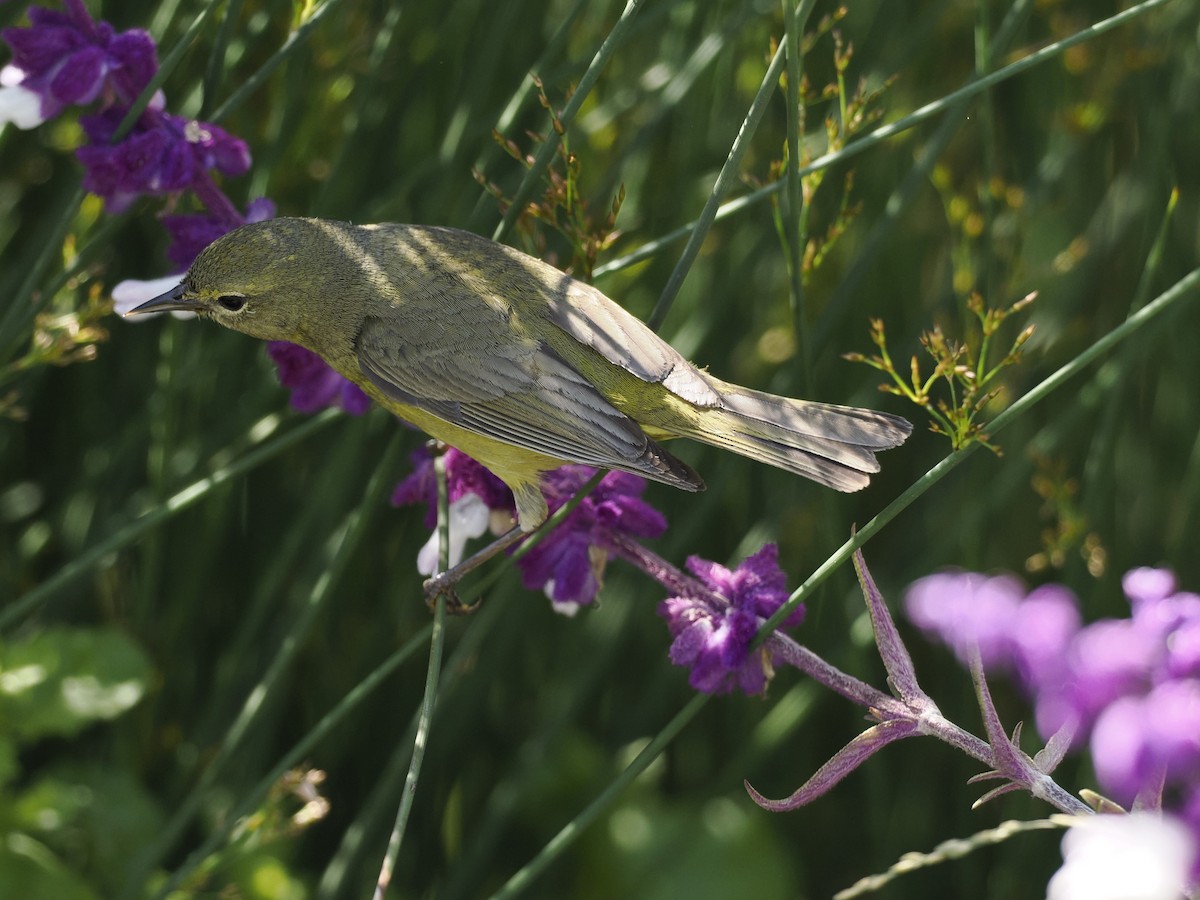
point(170, 301)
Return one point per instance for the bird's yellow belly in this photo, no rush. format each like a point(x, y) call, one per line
point(512, 465)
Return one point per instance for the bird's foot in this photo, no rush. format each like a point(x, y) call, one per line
point(445, 583)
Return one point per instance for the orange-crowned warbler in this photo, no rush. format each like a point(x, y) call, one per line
point(506, 358)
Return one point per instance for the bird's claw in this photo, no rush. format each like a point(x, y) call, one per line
point(443, 585)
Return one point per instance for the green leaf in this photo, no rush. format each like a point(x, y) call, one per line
point(61, 680)
point(97, 816)
point(30, 871)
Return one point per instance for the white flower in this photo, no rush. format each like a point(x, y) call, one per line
point(1141, 856)
point(468, 519)
point(568, 608)
point(18, 105)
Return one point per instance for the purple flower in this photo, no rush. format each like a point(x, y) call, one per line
point(1129, 688)
point(715, 641)
point(1105, 661)
point(478, 500)
point(163, 154)
point(569, 562)
point(758, 585)
point(464, 477)
point(313, 384)
point(1142, 741)
point(68, 59)
point(968, 611)
point(715, 646)
point(1183, 650)
point(1146, 585)
point(1045, 623)
point(1166, 616)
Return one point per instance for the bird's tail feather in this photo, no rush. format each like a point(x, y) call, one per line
point(832, 445)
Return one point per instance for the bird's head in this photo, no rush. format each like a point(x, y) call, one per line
point(267, 279)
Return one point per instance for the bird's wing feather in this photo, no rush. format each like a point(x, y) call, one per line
point(626, 341)
point(473, 370)
point(585, 314)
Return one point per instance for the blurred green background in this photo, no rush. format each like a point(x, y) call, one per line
point(1057, 180)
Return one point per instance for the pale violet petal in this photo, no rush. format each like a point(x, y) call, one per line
point(1140, 856)
point(10, 76)
point(427, 556)
point(469, 517)
point(21, 107)
point(566, 608)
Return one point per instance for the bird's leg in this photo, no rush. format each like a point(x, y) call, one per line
point(444, 582)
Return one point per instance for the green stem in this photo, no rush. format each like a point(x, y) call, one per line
point(340, 549)
point(216, 58)
point(1190, 283)
point(302, 748)
point(358, 834)
point(795, 225)
point(550, 145)
point(21, 307)
point(437, 644)
point(987, 140)
point(130, 532)
point(572, 831)
point(923, 114)
point(165, 68)
point(730, 173)
point(290, 46)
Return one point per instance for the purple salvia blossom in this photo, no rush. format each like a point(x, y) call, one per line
point(1147, 585)
point(992, 614)
point(1044, 625)
point(715, 645)
point(569, 562)
point(1149, 739)
point(968, 612)
point(1183, 650)
point(1128, 688)
point(162, 154)
point(1105, 661)
point(66, 59)
point(478, 501)
point(464, 476)
point(714, 642)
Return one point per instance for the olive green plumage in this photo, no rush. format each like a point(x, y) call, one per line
point(507, 358)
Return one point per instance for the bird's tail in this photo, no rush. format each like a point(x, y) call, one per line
point(832, 445)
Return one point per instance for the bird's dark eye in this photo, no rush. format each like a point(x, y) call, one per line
point(232, 302)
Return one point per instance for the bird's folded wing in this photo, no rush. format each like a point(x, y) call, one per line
point(625, 340)
point(471, 370)
point(449, 257)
